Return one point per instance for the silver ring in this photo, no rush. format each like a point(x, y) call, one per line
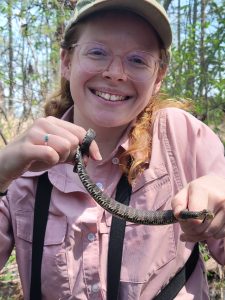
point(46, 139)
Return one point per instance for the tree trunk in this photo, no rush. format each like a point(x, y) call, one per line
point(202, 85)
point(10, 56)
point(166, 4)
point(178, 31)
point(192, 49)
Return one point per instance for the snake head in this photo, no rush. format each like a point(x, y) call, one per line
point(200, 215)
point(206, 215)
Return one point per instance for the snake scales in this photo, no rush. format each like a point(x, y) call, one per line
point(159, 217)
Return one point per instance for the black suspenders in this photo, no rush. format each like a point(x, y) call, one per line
point(116, 238)
point(117, 231)
point(41, 207)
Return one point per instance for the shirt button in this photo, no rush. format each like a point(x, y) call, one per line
point(95, 288)
point(115, 160)
point(100, 185)
point(91, 236)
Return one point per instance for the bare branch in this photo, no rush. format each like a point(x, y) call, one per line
point(3, 137)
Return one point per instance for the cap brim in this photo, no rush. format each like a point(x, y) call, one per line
point(152, 13)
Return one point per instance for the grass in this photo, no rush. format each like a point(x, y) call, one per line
point(10, 287)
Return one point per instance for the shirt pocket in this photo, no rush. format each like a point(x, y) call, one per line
point(147, 248)
point(54, 261)
point(55, 230)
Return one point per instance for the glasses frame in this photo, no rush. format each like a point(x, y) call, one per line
point(160, 62)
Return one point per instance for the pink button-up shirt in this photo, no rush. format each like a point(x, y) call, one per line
point(76, 241)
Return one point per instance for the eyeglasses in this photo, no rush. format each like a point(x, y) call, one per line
point(95, 57)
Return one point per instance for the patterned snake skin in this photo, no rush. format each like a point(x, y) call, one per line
point(122, 211)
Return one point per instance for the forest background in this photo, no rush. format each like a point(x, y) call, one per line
point(30, 35)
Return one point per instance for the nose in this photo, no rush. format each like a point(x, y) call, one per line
point(115, 70)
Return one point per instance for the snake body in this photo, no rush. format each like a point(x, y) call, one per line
point(130, 214)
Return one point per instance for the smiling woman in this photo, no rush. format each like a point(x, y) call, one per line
point(147, 152)
point(138, 66)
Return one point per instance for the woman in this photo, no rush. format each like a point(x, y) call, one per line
point(113, 60)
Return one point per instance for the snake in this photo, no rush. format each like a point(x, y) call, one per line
point(119, 210)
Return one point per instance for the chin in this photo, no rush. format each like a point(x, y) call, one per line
point(110, 123)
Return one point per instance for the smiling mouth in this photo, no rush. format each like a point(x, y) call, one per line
point(110, 97)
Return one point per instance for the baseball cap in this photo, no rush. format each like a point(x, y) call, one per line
point(150, 10)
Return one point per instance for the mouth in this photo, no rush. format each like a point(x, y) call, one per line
point(109, 96)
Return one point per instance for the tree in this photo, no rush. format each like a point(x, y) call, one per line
point(30, 34)
point(198, 57)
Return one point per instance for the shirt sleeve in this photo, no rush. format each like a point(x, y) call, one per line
point(198, 151)
point(6, 235)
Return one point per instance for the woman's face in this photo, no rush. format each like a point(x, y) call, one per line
point(111, 98)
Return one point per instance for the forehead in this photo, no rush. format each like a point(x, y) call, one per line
point(119, 26)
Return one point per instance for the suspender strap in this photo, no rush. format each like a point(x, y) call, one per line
point(170, 291)
point(117, 232)
point(42, 200)
point(115, 251)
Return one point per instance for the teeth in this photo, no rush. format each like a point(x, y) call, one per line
point(109, 97)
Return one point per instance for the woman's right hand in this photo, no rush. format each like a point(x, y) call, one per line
point(30, 152)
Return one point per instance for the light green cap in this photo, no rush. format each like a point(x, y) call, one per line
point(150, 10)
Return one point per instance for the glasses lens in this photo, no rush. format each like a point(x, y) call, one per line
point(140, 65)
point(137, 65)
point(94, 57)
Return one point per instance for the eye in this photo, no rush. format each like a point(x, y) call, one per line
point(96, 53)
point(137, 60)
point(140, 59)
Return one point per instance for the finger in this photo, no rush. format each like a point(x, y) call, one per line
point(197, 197)
point(64, 143)
point(193, 197)
point(94, 151)
point(39, 153)
point(43, 128)
point(220, 234)
point(195, 232)
point(180, 201)
point(62, 146)
point(217, 226)
point(196, 200)
point(38, 166)
point(191, 238)
point(72, 132)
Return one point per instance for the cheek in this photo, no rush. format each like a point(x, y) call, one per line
point(77, 81)
point(146, 92)
point(78, 75)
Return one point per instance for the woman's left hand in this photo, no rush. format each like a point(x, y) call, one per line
point(207, 192)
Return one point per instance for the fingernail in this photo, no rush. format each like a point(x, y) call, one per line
point(97, 156)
